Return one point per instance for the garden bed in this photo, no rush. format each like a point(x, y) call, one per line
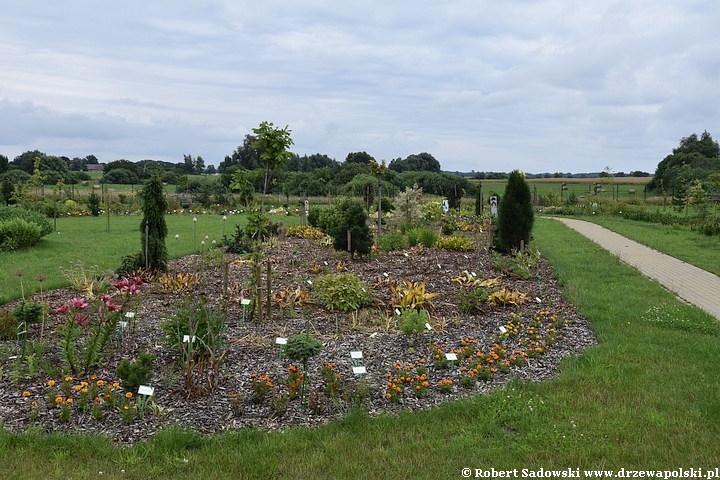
point(544, 318)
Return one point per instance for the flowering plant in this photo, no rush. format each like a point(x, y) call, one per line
point(88, 328)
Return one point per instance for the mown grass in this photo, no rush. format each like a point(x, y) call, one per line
point(646, 397)
point(677, 241)
point(86, 239)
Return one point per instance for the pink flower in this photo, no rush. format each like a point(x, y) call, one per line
point(79, 303)
point(61, 309)
point(113, 307)
point(81, 319)
point(106, 298)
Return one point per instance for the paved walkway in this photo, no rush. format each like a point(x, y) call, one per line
point(690, 283)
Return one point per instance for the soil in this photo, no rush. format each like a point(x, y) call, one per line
point(252, 350)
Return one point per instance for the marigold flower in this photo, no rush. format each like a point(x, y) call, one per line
point(93, 377)
point(128, 395)
point(100, 383)
point(68, 378)
point(115, 385)
point(96, 399)
point(388, 395)
point(78, 387)
point(26, 394)
point(33, 403)
point(108, 396)
point(58, 399)
point(51, 383)
point(84, 390)
point(68, 401)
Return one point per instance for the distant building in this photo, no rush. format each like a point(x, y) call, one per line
point(95, 167)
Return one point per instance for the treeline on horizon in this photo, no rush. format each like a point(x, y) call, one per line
point(695, 159)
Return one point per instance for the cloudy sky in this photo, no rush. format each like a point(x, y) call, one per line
point(485, 85)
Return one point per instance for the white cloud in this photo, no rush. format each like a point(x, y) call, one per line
point(551, 85)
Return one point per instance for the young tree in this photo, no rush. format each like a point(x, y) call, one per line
point(515, 213)
point(154, 207)
point(349, 215)
point(273, 144)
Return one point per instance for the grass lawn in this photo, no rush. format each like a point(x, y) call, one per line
point(646, 397)
point(86, 239)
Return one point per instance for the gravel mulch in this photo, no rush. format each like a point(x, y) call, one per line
point(252, 350)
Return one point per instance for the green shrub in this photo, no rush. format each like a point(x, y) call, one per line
point(391, 242)
point(18, 234)
point(344, 292)
point(449, 225)
point(130, 263)
point(134, 374)
point(515, 213)
point(428, 238)
point(195, 319)
point(8, 213)
point(413, 321)
point(302, 347)
point(28, 312)
point(457, 243)
point(313, 216)
point(93, 202)
point(238, 242)
point(348, 215)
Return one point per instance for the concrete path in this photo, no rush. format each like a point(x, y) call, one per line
point(690, 283)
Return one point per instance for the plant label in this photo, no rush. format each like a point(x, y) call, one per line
point(356, 355)
point(502, 329)
point(473, 274)
point(397, 312)
point(386, 274)
point(245, 301)
point(123, 325)
point(188, 339)
point(451, 356)
point(145, 390)
point(406, 254)
point(309, 282)
point(130, 314)
point(428, 326)
point(538, 299)
point(281, 341)
point(325, 263)
point(439, 267)
point(359, 370)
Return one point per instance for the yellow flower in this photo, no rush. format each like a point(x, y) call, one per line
point(68, 401)
point(33, 403)
point(68, 379)
point(26, 394)
point(128, 395)
point(51, 383)
point(100, 383)
point(58, 399)
point(84, 390)
point(127, 408)
point(115, 385)
point(78, 387)
point(93, 377)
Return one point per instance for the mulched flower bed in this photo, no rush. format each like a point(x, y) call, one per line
point(545, 317)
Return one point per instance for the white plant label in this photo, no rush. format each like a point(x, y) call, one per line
point(503, 329)
point(130, 314)
point(356, 355)
point(359, 370)
point(245, 301)
point(281, 341)
point(145, 390)
point(451, 356)
point(428, 326)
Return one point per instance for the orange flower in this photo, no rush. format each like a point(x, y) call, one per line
point(58, 399)
point(100, 383)
point(93, 377)
point(51, 383)
point(26, 394)
point(68, 401)
point(68, 378)
point(97, 400)
point(128, 395)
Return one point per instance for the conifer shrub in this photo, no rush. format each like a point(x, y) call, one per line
point(515, 213)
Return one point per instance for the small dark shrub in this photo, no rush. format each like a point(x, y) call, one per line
point(302, 347)
point(134, 374)
point(93, 202)
point(130, 263)
point(8, 325)
point(238, 242)
point(28, 312)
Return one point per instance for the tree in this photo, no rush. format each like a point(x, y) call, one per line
point(6, 191)
point(4, 164)
point(515, 213)
point(359, 157)
point(422, 162)
point(245, 156)
point(210, 170)
point(349, 215)
point(694, 159)
point(273, 144)
point(154, 207)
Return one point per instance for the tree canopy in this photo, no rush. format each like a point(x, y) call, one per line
point(422, 162)
point(694, 159)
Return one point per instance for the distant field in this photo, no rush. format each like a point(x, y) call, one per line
point(580, 186)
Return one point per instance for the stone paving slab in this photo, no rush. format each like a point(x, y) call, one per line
point(690, 283)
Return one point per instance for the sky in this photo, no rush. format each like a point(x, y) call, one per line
point(483, 85)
